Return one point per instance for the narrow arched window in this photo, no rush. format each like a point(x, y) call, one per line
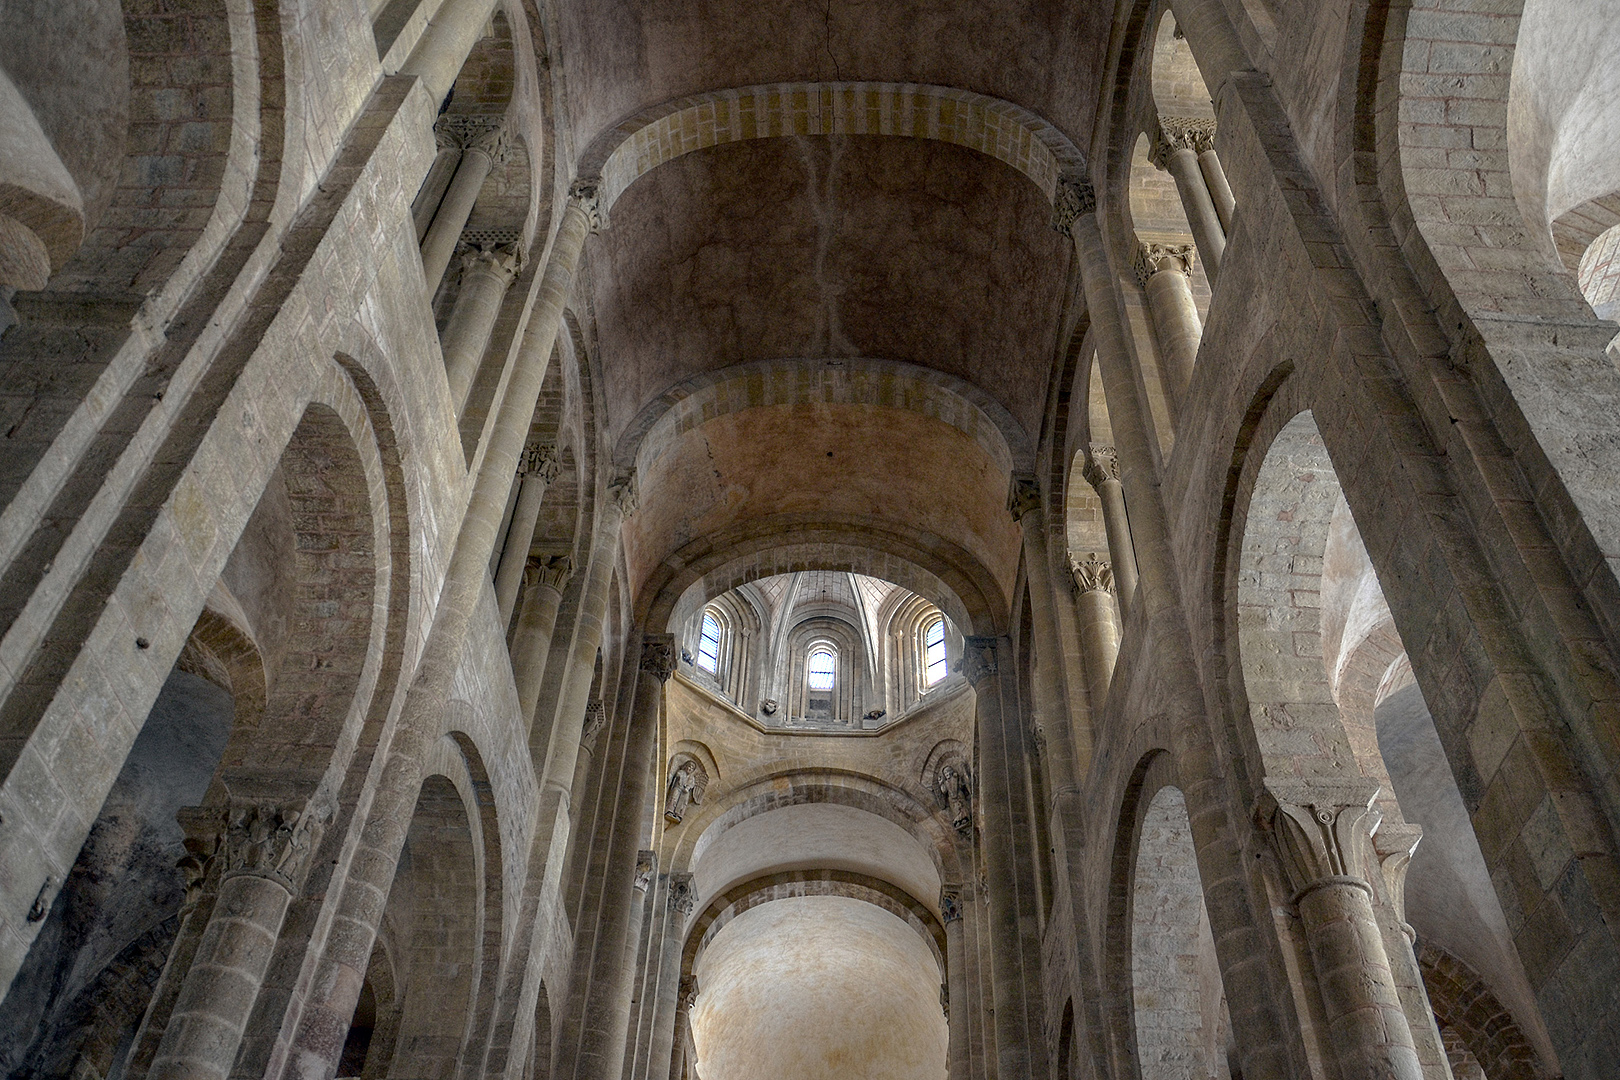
point(820, 671)
point(708, 657)
point(935, 667)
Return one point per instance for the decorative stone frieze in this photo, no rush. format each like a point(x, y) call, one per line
point(1023, 495)
point(658, 656)
point(1073, 197)
point(682, 894)
point(1102, 465)
point(622, 490)
point(1091, 574)
point(540, 459)
point(1323, 830)
point(1181, 133)
point(1152, 258)
point(646, 867)
point(978, 658)
point(552, 571)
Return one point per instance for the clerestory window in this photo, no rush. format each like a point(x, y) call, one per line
point(935, 666)
point(821, 669)
point(708, 657)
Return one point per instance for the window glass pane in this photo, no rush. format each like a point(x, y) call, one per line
point(935, 667)
point(709, 645)
point(821, 670)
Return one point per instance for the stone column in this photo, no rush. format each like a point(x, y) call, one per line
point(1175, 151)
point(531, 641)
point(1102, 473)
point(1099, 634)
point(1071, 748)
point(1165, 273)
point(1220, 192)
point(267, 853)
point(483, 141)
point(1000, 799)
point(956, 994)
point(313, 1051)
point(1323, 832)
point(431, 194)
point(486, 273)
point(457, 26)
point(538, 467)
point(599, 1002)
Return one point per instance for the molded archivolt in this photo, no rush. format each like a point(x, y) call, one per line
point(1002, 130)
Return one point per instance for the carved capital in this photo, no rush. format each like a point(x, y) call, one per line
point(501, 261)
point(1154, 258)
point(622, 490)
point(1023, 495)
point(1091, 574)
point(950, 905)
point(1073, 197)
point(1102, 465)
point(1181, 133)
point(658, 656)
point(486, 134)
point(1323, 830)
point(682, 893)
point(686, 995)
point(646, 867)
point(978, 658)
point(552, 571)
point(595, 720)
point(1395, 844)
point(540, 459)
point(587, 193)
point(271, 842)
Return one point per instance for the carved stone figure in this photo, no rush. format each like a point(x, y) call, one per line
point(769, 706)
point(953, 785)
point(684, 787)
point(646, 867)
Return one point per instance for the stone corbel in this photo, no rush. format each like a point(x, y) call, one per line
point(1073, 197)
point(1323, 830)
point(1151, 258)
point(1091, 574)
point(552, 571)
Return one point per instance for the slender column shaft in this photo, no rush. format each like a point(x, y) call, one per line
point(1000, 777)
point(531, 641)
point(485, 276)
point(484, 142)
point(1071, 749)
point(1102, 473)
point(1165, 272)
point(599, 994)
point(457, 26)
point(1099, 633)
point(1220, 192)
point(266, 853)
point(956, 992)
point(539, 469)
point(324, 1022)
point(431, 194)
point(1176, 151)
